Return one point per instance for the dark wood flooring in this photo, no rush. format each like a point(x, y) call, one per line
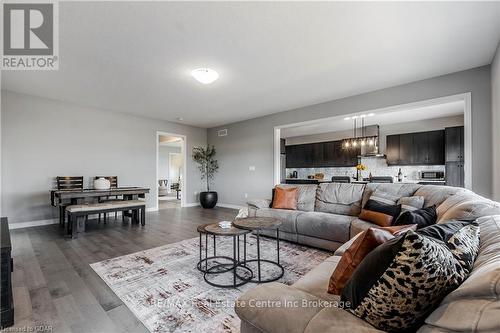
point(56, 290)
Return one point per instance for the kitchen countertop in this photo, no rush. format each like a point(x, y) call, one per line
point(406, 181)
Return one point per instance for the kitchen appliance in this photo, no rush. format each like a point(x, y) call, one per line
point(431, 175)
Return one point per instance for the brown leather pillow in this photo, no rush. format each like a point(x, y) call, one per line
point(381, 219)
point(353, 256)
point(285, 198)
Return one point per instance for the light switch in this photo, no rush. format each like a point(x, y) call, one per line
point(251, 168)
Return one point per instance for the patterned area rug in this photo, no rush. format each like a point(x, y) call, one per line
point(166, 292)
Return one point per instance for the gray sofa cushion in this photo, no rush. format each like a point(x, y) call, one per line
point(307, 196)
point(436, 194)
point(400, 190)
point(339, 198)
point(475, 305)
point(324, 225)
point(288, 217)
point(316, 281)
point(359, 225)
point(466, 205)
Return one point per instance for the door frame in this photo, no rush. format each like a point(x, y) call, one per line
point(465, 97)
point(184, 180)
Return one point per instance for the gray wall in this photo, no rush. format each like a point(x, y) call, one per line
point(250, 143)
point(44, 138)
point(495, 100)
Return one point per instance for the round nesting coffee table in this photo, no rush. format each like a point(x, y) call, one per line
point(258, 224)
point(234, 263)
point(203, 263)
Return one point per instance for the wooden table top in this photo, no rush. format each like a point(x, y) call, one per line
point(214, 229)
point(257, 223)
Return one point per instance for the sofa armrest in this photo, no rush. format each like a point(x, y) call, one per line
point(269, 308)
point(258, 203)
point(278, 308)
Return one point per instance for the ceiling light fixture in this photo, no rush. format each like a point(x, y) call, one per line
point(205, 75)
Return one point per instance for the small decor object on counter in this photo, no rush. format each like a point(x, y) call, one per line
point(102, 184)
point(225, 224)
point(400, 176)
point(208, 166)
point(319, 176)
point(360, 167)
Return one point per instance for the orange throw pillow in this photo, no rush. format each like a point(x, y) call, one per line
point(285, 198)
point(352, 257)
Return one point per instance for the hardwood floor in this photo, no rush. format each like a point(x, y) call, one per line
point(56, 290)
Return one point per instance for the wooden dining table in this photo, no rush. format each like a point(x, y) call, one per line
point(60, 198)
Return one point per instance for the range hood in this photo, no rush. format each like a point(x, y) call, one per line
point(372, 151)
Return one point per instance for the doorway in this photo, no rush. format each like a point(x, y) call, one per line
point(170, 170)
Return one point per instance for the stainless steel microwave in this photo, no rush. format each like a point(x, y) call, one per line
point(432, 175)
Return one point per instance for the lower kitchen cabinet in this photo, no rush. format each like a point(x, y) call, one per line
point(455, 174)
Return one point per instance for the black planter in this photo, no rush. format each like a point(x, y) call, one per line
point(208, 199)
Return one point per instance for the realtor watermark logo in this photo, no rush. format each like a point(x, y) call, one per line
point(30, 36)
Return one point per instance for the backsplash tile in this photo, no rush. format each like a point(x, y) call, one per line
point(377, 167)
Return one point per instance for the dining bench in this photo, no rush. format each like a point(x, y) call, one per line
point(77, 213)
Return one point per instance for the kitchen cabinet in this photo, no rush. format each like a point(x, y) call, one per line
point(454, 146)
point(454, 138)
point(422, 148)
point(321, 154)
point(455, 174)
point(282, 146)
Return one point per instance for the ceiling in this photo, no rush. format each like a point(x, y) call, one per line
point(337, 124)
point(135, 57)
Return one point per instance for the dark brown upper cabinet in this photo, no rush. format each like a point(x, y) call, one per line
point(321, 154)
point(423, 148)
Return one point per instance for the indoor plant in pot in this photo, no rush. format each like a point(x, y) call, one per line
point(208, 167)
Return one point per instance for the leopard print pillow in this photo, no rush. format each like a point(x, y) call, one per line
point(421, 273)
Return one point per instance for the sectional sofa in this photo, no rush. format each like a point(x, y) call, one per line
point(327, 218)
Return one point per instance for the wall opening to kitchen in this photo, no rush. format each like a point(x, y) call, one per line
point(426, 142)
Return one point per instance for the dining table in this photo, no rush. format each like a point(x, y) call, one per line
point(61, 198)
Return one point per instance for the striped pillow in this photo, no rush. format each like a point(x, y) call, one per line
point(411, 203)
point(385, 198)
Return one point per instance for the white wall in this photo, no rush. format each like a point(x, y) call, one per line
point(251, 142)
point(44, 138)
point(495, 106)
point(163, 161)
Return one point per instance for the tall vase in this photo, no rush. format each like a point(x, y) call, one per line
point(359, 177)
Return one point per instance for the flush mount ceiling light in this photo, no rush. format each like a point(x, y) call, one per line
point(205, 75)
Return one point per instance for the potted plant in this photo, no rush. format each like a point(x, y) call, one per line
point(208, 166)
point(359, 168)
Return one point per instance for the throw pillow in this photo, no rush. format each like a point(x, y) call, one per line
point(285, 198)
point(397, 230)
point(383, 197)
point(352, 257)
point(411, 203)
point(461, 237)
point(421, 217)
point(401, 281)
point(380, 213)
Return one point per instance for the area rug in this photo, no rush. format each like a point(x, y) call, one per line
point(166, 292)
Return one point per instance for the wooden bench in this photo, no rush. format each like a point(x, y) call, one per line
point(77, 213)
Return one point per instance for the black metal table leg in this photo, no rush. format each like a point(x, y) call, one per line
point(258, 254)
point(278, 244)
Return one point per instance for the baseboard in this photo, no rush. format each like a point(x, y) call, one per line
point(152, 209)
point(224, 205)
point(193, 204)
point(32, 224)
